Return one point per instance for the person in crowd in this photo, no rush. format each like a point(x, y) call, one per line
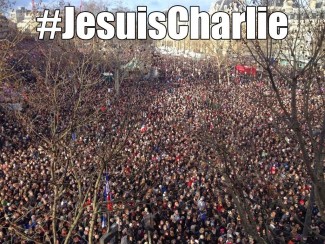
point(167, 168)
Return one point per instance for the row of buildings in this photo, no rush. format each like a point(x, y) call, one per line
point(22, 19)
point(4, 27)
point(302, 17)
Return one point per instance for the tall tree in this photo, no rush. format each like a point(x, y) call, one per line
point(298, 87)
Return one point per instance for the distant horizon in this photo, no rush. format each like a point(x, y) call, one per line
point(152, 5)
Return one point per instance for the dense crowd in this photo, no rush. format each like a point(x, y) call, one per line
point(169, 170)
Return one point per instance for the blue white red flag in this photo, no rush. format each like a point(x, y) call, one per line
point(106, 188)
point(104, 221)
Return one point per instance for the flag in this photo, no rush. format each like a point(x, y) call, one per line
point(104, 221)
point(74, 136)
point(109, 202)
point(106, 187)
point(109, 205)
point(107, 194)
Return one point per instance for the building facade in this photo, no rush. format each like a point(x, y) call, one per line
point(4, 27)
point(24, 20)
point(18, 15)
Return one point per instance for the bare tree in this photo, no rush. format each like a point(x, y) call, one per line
point(64, 99)
point(94, 7)
point(69, 115)
point(5, 5)
point(9, 49)
point(227, 140)
point(293, 95)
point(298, 87)
point(127, 59)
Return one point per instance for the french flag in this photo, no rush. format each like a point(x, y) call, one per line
point(104, 221)
point(106, 187)
point(109, 203)
point(107, 194)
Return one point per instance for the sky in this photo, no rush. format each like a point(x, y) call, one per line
point(152, 5)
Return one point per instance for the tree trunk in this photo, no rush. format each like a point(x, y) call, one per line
point(75, 222)
point(55, 198)
point(95, 206)
point(54, 214)
point(117, 82)
point(149, 237)
point(308, 214)
point(79, 212)
point(244, 214)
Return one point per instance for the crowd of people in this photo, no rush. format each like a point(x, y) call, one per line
point(170, 182)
